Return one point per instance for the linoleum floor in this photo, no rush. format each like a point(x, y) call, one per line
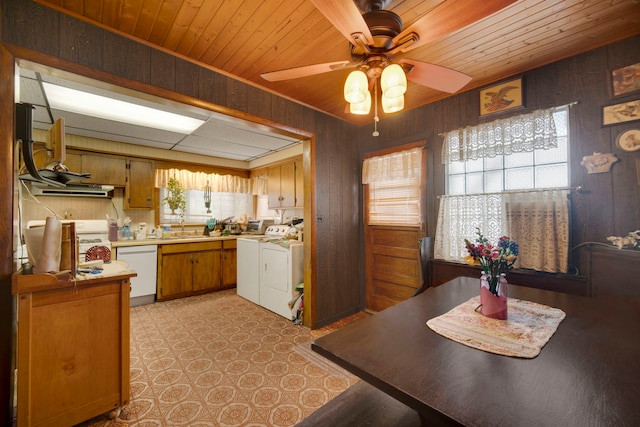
point(220, 360)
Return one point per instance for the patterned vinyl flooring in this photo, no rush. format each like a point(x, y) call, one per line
point(220, 360)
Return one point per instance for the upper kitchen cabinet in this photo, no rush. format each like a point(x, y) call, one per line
point(285, 185)
point(139, 188)
point(105, 170)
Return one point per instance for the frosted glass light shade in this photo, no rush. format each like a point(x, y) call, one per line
point(391, 105)
point(393, 81)
point(363, 107)
point(356, 87)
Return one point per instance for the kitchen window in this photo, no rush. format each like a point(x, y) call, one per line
point(223, 205)
point(509, 177)
point(231, 196)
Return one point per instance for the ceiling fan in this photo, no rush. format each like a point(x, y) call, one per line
point(377, 39)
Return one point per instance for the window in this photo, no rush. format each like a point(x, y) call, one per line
point(509, 177)
point(394, 187)
point(540, 168)
point(223, 205)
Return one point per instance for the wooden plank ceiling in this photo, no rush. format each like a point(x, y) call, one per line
point(246, 38)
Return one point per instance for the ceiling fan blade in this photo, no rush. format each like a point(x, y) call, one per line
point(307, 70)
point(448, 17)
point(345, 16)
point(436, 77)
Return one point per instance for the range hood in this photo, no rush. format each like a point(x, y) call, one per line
point(78, 190)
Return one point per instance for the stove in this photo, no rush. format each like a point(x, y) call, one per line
point(92, 236)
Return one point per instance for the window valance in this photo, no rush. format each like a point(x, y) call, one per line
point(218, 183)
point(401, 165)
point(517, 134)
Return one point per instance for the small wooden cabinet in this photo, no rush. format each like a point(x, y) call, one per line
point(188, 268)
point(72, 347)
point(139, 187)
point(285, 185)
point(105, 170)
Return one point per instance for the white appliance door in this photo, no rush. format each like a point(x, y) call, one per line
point(248, 269)
point(275, 280)
point(144, 261)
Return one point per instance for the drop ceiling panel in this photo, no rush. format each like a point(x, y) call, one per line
point(219, 146)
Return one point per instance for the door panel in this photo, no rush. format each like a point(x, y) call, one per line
point(393, 265)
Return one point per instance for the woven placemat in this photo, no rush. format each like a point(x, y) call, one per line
point(528, 327)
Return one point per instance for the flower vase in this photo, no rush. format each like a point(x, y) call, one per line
point(491, 305)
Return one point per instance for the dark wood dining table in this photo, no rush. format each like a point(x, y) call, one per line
point(588, 373)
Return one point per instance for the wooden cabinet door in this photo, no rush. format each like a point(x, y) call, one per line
point(299, 184)
point(139, 188)
point(175, 275)
point(288, 185)
point(273, 187)
point(229, 260)
point(206, 270)
point(105, 170)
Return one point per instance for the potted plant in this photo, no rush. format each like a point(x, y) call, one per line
point(175, 198)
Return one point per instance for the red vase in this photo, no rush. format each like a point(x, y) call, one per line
point(491, 305)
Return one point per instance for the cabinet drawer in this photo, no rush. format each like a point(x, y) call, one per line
point(177, 248)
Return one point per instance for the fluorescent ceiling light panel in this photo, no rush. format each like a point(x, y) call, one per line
point(75, 101)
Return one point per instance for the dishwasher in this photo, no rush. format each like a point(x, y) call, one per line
point(144, 261)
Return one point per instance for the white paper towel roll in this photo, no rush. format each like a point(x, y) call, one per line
point(49, 259)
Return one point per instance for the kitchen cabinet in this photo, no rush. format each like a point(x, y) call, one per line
point(106, 170)
point(285, 185)
point(188, 268)
point(229, 263)
point(139, 185)
point(72, 347)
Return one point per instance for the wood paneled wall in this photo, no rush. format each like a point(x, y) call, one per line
point(610, 203)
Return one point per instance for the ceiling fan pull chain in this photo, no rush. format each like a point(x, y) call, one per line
point(376, 119)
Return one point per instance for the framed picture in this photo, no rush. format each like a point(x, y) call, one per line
point(625, 80)
point(501, 97)
point(621, 113)
point(629, 140)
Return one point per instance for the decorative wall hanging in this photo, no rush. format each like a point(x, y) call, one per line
point(621, 113)
point(625, 80)
point(501, 97)
point(598, 162)
point(629, 140)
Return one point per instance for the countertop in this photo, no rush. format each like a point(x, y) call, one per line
point(176, 240)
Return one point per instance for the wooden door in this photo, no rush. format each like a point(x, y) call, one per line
point(229, 261)
point(206, 270)
point(299, 184)
point(273, 187)
point(175, 275)
point(393, 270)
point(139, 188)
point(288, 185)
point(105, 170)
point(393, 265)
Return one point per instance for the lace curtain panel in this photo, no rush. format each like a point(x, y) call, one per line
point(218, 183)
point(537, 220)
point(517, 134)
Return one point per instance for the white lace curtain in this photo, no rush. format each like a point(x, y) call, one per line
point(538, 220)
point(218, 183)
point(517, 134)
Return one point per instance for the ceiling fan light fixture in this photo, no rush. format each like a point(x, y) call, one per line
point(363, 107)
point(356, 87)
point(393, 81)
point(391, 105)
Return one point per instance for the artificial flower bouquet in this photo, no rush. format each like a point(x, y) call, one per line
point(493, 259)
